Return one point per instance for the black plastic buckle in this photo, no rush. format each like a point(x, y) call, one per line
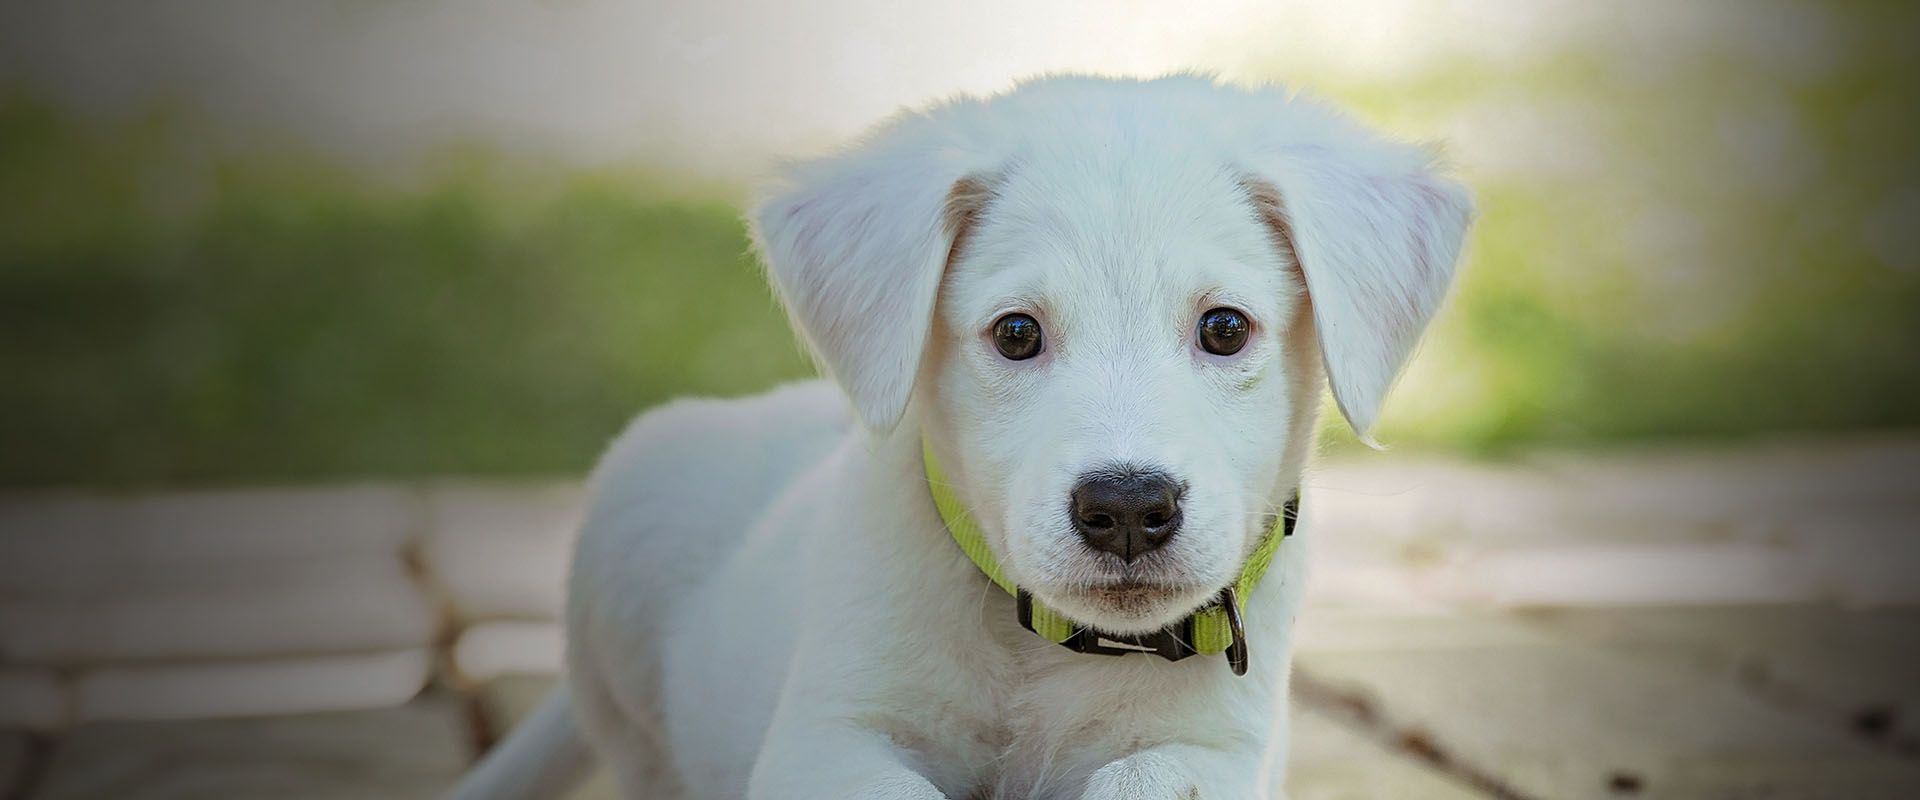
point(1172, 643)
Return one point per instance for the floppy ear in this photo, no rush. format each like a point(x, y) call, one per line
point(1375, 233)
point(856, 245)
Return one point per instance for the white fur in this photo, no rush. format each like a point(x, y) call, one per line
point(765, 602)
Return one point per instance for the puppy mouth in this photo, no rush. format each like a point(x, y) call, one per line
point(1154, 573)
point(1136, 596)
point(1133, 590)
point(1135, 599)
point(1154, 577)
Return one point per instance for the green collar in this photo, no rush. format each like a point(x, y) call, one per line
point(1213, 629)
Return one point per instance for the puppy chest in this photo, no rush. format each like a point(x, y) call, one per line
point(1028, 738)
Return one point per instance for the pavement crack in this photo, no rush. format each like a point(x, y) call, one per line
point(1363, 715)
point(482, 732)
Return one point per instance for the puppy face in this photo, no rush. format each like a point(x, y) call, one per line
point(1112, 304)
point(1118, 370)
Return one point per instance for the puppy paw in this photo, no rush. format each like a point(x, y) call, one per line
point(1141, 776)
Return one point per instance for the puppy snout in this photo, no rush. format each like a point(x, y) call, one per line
point(1127, 512)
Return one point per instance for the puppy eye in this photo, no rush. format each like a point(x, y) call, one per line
point(1223, 331)
point(1017, 336)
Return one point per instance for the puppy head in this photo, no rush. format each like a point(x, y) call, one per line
point(1111, 303)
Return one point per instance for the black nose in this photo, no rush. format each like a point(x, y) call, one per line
point(1126, 512)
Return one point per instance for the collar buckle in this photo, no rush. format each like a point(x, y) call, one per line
point(1172, 643)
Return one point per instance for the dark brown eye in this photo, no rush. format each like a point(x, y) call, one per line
point(1223, 331)
point(1017, 336)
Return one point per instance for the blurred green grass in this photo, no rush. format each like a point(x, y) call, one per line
point(295, 323)
point(173, 316)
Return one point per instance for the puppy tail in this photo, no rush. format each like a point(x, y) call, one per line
point(543, 758)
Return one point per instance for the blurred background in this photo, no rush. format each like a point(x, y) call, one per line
point(315, 312)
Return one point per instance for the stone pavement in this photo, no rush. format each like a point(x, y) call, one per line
point(1716, 623)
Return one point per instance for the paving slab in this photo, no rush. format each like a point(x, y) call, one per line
point(1753, 491)
point(1699, 487)
point(502, 552)
point(507, 700)
point(410, 751)
point(1596, 573)
point(1864, 557)
point(1331, 762)
point(1831, 471)
point(240, 688)
point(32, 698)
point(1559, 718)
point(85, 544)
point(1856, 669)
point(493, 649)
point(286, 606)
point(1772, 523)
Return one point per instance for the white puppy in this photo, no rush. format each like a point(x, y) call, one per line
point(1097, 312)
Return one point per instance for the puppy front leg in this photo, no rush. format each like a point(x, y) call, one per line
point(835, 763)
point(1179, 772)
